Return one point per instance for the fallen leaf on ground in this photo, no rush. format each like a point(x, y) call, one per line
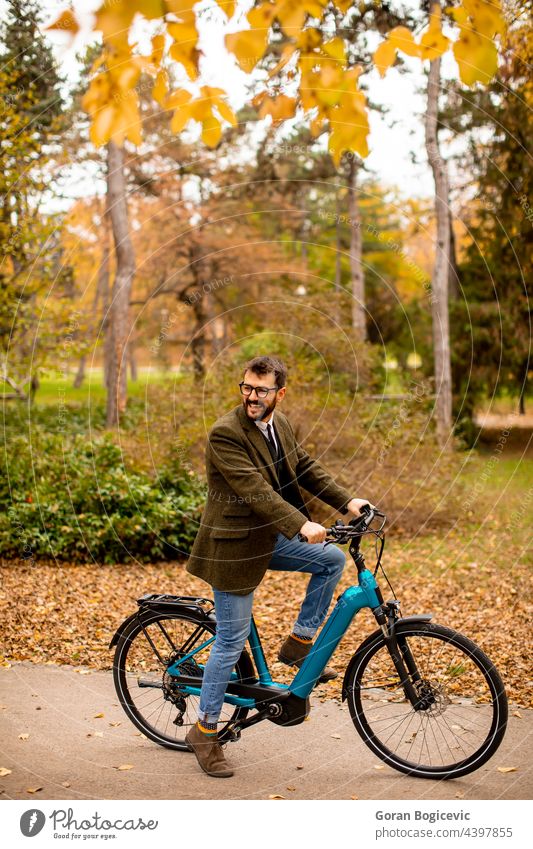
point(98, 716)
point(4, 771)
point(299, 767)
point(33, 789)
point(23, 736)
point(506, 768)
point(65, 784)
point(276, 796)
point(115, 724)
point(379, 767)
point(336, 736)
point(354, 797)
point(291, 788)
point(517, 714)
point(124, 766)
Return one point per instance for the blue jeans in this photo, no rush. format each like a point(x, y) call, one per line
point(233, 612)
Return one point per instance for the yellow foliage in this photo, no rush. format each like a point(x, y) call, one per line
point(66, 22)
point(201, 109)
point(475, 52)
point(184, 49)
point(279, 108)
point(433, 43)
point(327, 92)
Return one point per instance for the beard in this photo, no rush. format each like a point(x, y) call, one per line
point(258, 409)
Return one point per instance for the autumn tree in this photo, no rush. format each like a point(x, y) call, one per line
point(491, 327)
point(313, 76)
point(30, 109)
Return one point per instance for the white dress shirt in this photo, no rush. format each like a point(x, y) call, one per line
point(263, 428)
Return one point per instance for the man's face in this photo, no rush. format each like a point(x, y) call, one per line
point(260, 409)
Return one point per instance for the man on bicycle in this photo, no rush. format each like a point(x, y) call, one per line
point(251, 521)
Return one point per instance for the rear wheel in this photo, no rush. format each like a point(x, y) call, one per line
point(149, 695)
point(461, 715)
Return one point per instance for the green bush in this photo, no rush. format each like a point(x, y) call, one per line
point(80, 501)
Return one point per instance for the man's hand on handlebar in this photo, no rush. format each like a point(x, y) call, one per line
point(312, 532)
point(354, 506)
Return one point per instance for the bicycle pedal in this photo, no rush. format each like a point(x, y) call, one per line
point(234, 734)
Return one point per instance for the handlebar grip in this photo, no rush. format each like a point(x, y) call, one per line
point(302, 537)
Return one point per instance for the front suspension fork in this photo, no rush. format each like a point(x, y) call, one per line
point(400, 652)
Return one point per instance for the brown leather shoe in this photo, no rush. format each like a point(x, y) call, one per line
point(208, 753)
point(293, 652)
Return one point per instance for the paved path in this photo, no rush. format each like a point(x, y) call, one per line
point(56, 706)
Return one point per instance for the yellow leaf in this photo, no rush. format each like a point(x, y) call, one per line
point(151, 8)
point(160, 88)
point(433, 43)
point(123, 767)
point(227, 6)
point(476, 56)
point(100, 133)
point(178, 98)
point(279, 108)
point(4, 771)
point(335, 49)
point(180, 118)
point(24, 736)
point(486, 16)
point(276, 796)
point(158, 48)
point(211, 131)
point(184, 49)
point(114, 21)
point(66, 22)
point(65, 784)
point(403, 40)
point(384, 56)
point(33, 789)
point(336, 736)
point(507, 768)
point(248, 47)
point(98, 716)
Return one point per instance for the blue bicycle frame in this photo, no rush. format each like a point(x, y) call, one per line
point(365, 594)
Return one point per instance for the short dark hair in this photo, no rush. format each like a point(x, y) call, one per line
point(268, 365)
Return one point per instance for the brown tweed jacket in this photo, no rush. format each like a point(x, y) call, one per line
point(244, 513)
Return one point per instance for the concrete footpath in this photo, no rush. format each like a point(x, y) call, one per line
point(71, 753)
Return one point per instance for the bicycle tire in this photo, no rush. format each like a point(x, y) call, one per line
point(481, 709)
point(135, 657)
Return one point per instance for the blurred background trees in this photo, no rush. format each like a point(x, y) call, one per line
point(130, 305)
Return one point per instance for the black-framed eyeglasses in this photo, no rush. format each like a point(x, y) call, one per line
point(261, 391)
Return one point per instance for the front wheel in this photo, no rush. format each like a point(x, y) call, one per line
point(460, 718)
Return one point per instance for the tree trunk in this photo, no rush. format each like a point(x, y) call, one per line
point(439, 282)
point(356, 255)
point(80, 374)
point(198, 338)
point(338, 254)
point(134, 371)
point(453, 279)
point(121, 293)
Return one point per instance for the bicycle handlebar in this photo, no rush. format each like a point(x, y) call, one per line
point(358, 526)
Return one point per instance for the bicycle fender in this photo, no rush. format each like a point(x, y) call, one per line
point(422, 617)
point(121, 628)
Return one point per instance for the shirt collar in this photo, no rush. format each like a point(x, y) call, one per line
point(263, 425)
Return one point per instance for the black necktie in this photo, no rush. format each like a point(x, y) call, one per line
point(270, 437)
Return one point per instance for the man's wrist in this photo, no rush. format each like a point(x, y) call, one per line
point(344, 508)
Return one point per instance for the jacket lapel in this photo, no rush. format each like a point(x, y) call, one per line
point(257, 439)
